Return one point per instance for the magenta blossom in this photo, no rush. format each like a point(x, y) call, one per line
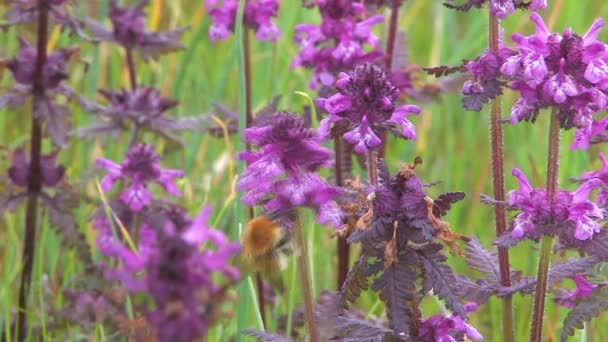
point(140, 167)
point(343, 40)
point(365, 108)
point(602, 175)
point(583, 289)
point(538, 213)
point(440, 328)
point(257, 16)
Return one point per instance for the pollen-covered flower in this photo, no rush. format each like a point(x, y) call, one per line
point(365, 108)
point(538, 215)
point(140, 167)
point(343, 40)
point(602, 175)
point(570, 298)
point(441, 328)
point(129, 30)
point(563, 71)
point(281, 173)
point(258, 16)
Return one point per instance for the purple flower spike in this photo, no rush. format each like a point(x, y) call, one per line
point(583, 289)
point(365, 108)
point(18, 173)
point(258, 16)
point(563, 71)
point(343, 40)
point(281, 173)
point(140, 167)
point(569, 210)
point(129, 30)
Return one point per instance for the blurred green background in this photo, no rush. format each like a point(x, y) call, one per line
point(453, 143)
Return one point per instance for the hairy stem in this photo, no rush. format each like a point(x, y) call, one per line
point(497, 150)
point(547, 242)
point(343, 247)
point(304, 269)
point(390, 51)
point(249, 120)
point(131, 68)
point(372, 166)
point(34, 177)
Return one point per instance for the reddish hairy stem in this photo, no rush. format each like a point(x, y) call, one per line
point(547, 242)
point(248, 121)
point(131, 68)
point(343, 247)
point(497, 150)
point(372, 167)
point(34, 177)
point(304, 270)
point(390, 49)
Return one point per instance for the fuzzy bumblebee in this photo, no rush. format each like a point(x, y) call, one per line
point(266, 248)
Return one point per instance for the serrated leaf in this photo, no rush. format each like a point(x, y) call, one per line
point(267, 337)
point(439, 277)
point(444, 202)
point(587, 309)
point(482, 260)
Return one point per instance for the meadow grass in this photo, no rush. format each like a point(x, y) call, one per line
point(453, 144)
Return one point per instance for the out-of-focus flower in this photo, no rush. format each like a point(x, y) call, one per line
point(26, 11)
point(257, 16)
point(140, 167)
point(500, 8)
point(343, 40)
point(281, 173)
point(538, 213)
point(440, 328)
point(563, 71)
point(180, 278)
point(129, 30)
point(583, 289)
point(365, 108)
point(601, 174)
point(51, 173)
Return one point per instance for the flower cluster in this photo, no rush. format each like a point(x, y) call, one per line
point(27, 11)
point(51, 173)
point(365, 107)
point(500, 8)
point(343, 40)
point(257, 15)
point(539, 215)
point(444, 328)
point(281, 173)
point(129, 30)
point(140, 167)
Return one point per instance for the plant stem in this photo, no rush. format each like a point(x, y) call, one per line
point(34, 177)
point(496, 137)
point(343, 247)
point(390, 50)
point(372, 167)
point(249, 120)
point(131, 68)
point(547, 241)
point(304, 269)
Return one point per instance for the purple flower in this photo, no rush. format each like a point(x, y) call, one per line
point(602, 175)
point(563, 71)
point(140, 167)
point(26, 11)
point(51, 173)
point(440, 328)
point(537, 213)
point(365, 108)
point(180, 278)
point(583, 289)
point(129, 30)
point(257, 16)
point(343, 40)
point(501, 8)
point(281, 173)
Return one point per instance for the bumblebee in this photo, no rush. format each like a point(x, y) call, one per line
point(266, 247)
